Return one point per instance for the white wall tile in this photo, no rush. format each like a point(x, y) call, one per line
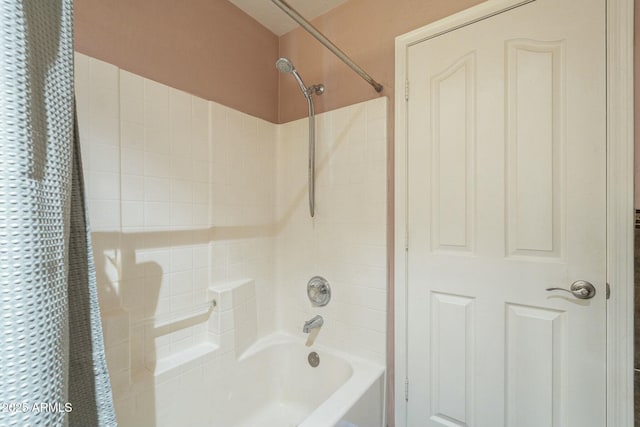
point(131, 86)
point(81, 72)
point(103, 103)
point(104, 215)
point(182, 215)
point(132, 187)
point(181, 190)
point(346, 241)
point(200, 127)
point(180, 122)
point(200, 256)
point(181, 282)
point(115, 327)
point(132, 215)
point(132, 134)
point(157, 189)
point(200, 170)
point(106, 184)
point(157, 214)
point(200, 215)
point(181, 259)
point(157, 164)
point(132, 161)
point(105, 158)
point(156, 137)
point(156, 104)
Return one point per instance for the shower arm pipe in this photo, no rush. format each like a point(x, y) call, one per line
point(326, 42)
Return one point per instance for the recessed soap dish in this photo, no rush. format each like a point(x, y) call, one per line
point(319, 291)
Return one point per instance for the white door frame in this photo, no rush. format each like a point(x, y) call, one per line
point(620, 206)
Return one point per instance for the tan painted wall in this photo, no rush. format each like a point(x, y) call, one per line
point(209, 48)
point(188, 48)
point(365, 30)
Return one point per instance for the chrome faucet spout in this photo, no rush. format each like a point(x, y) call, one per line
point(312, 327)
point(314, 323)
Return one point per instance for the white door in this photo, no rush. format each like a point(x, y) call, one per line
point(506, 197)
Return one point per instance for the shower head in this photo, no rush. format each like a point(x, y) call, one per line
point(284, 65)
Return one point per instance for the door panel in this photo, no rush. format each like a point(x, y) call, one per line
point(506, 197)
point(535, 78)
point(452, 340)
point(452, 211)
point(534, 366)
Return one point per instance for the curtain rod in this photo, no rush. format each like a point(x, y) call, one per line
point(326, 42)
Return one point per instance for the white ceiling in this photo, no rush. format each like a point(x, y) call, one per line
point(270, 15)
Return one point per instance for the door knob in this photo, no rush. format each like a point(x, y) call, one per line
point(580, 289)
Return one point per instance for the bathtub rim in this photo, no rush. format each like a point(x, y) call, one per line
point(364, 375)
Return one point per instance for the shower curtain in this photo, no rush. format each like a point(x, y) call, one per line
point(52, 364)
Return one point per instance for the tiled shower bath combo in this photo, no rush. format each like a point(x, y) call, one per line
point(204, 247)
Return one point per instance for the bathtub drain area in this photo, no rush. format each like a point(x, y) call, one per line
point(314, 359)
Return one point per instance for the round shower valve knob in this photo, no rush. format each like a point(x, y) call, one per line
point(319, 291)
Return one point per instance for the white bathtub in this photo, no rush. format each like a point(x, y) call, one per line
point(273, 385)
